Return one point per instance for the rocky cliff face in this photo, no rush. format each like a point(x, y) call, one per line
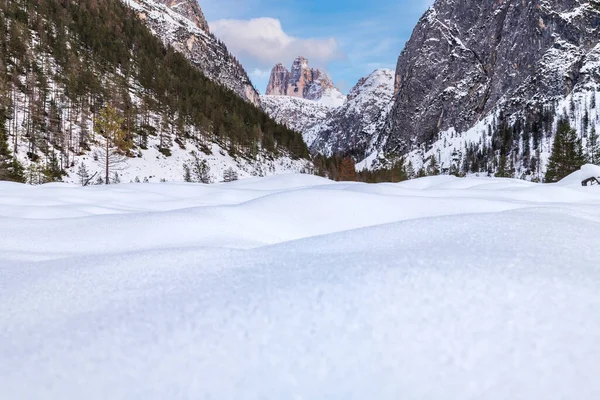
point(302, 81)
point(467, 59)
point(354, 127)
point(181, 24)
point(338, 125)
point(189, 9)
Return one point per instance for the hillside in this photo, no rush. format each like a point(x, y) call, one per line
point(62, 63)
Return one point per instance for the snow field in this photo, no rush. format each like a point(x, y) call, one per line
point(297, 287)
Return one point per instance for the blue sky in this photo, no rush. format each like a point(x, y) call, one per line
point(347, 38)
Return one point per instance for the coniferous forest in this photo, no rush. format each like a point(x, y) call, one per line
point(63, 61)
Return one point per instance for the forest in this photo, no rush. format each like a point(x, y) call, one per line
point(63, 61)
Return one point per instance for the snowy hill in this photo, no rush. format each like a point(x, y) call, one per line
point(303, 115)
point(487, 287)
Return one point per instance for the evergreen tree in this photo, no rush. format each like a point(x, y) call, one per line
point(230, 175)
point(197, 170)
point(433, 167)
point(52, 171)
point(410, 171)
point(567, 153)
point(187, 173)
point(83, 175)
point(10, 168)
point(593, 147)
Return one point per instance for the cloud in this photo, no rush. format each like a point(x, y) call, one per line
point(262, 43)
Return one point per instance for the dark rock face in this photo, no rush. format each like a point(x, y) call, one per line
point(302, 81)
point(181, 24)
point(467, 57)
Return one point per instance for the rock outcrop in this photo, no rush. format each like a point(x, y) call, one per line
point(181, 24)
point(302, 81)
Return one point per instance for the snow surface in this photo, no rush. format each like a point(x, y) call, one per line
point(295, 287)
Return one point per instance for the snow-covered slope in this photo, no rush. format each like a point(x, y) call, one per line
point(181, 24)
point(488, 288)
point(339, 124)
point(303, 115)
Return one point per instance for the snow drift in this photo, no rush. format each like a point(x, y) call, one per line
point(297, 287)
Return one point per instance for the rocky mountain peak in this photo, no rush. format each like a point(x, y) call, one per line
point(302, 81)
point(466, 59)
point(181, 24)
point(189, 9)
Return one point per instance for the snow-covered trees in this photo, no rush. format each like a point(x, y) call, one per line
point(230, 175)
point(197, 170)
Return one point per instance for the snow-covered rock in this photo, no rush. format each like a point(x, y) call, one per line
point(181, 24)
point(586, 172)
point(336, 123)
point(524, 62)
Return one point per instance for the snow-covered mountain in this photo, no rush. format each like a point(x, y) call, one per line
point(331, 122)
point(474, 67)
point(355, 126)
point(181, 24)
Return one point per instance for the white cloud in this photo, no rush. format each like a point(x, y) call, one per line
point(261, 43)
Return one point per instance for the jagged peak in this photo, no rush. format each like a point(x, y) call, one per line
point(301, 81)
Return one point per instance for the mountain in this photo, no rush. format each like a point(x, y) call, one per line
point(482, 82)
point(302, 81)
point(354, 128)
point(334, 124)
point(181, 24)
point(65, 66)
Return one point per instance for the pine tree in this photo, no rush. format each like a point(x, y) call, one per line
point(567, 153)
point(187, 174)
point(197, 170)
point(10, 168)
point(230, 175)
point(593, 147)
point(410, 171)
point(433, 167)
point(83, 174)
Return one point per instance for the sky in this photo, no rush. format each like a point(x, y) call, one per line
point(346, 38)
